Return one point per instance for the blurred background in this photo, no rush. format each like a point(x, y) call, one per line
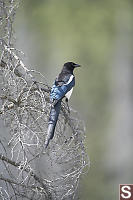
point(98, 35)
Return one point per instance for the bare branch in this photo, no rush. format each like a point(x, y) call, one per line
point(26, 170)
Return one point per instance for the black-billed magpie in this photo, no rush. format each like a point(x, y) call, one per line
point(62, 87)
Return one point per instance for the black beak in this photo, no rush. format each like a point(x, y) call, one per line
point(77, 65)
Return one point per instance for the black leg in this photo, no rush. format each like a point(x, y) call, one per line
point(67, 105)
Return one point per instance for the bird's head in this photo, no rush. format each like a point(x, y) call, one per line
point(70, 66)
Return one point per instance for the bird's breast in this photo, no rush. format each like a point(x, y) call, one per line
point(68, 94)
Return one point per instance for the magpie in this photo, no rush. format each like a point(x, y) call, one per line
point(62, 87)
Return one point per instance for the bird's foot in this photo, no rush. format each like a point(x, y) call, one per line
point(54, 102)
point(68, 109)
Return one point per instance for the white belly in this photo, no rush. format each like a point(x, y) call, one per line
point(68, 94)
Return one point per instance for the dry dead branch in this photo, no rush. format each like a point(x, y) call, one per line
point(27, 171)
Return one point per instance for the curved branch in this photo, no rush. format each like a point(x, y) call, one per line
point(28, 170)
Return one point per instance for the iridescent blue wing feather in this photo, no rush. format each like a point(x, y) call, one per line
point(58, 90)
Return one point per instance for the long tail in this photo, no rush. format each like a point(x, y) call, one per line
point(54, 113)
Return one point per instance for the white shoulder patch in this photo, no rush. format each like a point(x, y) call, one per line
point(68, 94)
point(70, 79)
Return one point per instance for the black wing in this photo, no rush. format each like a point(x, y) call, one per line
point(63, 78)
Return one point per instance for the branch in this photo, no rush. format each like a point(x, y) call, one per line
point(25, 107)
point(28, 170)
